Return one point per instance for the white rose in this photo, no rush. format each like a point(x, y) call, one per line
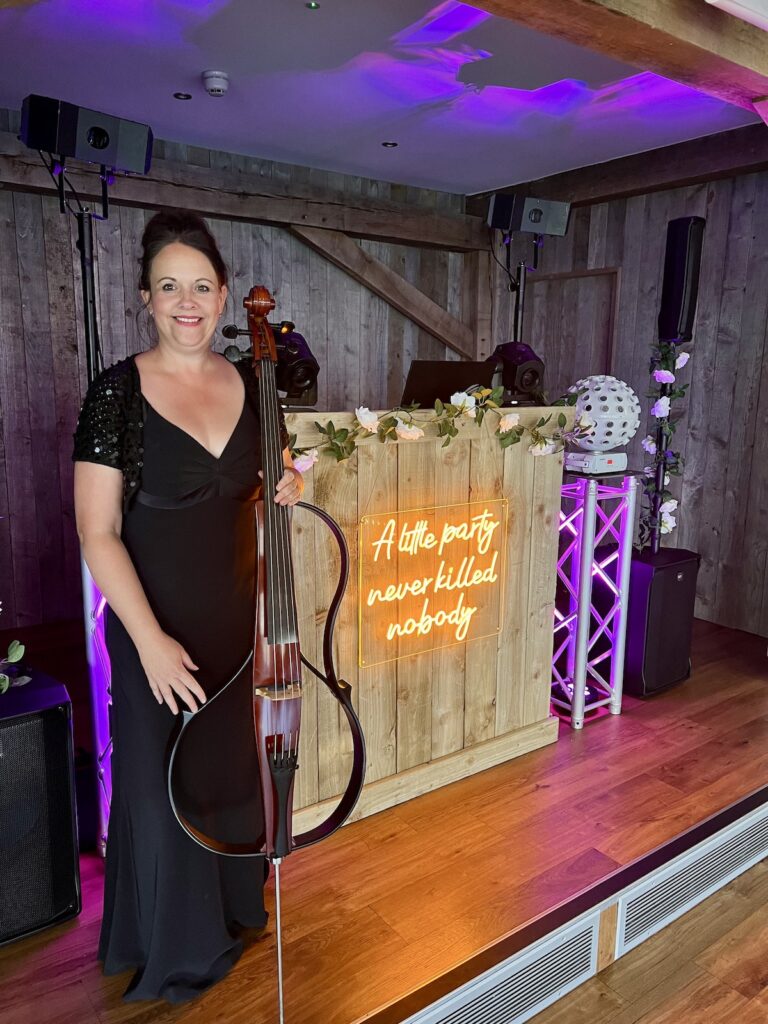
point(306, 460)
point(509, 420)
point(368, 420)
point(464, 402)
point(668, 523)
point(649, 445)
point(584, 422)
point(661, 408)
point(668, 506)
point(408, 432)
point(664, 376)
point(542, 447)
point(681, 360)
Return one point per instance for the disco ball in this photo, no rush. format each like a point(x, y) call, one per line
point(614, 409)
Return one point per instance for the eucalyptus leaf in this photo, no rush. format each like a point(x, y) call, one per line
point(15, 651)
point(21, 680)
point(561, 420)
point(5, 682)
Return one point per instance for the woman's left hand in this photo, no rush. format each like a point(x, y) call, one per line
point(290, 487)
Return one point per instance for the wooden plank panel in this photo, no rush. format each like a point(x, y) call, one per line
point(416, 488)
point(304, 529)
point(486, 482)
point(59, 260)
point(511, 661)
point(542, 545)
point(336, 492)
point(38, 341)
point(724, 384)
point(377, 702)
point(14, 399)
point(449, 682)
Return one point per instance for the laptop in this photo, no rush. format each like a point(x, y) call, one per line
point(430, 379)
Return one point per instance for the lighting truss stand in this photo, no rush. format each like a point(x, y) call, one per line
point(596, 528)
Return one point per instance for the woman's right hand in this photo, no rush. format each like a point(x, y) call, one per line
point(167, 665)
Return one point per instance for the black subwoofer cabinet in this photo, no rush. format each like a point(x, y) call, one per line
point(662, 596)
point(39, 870)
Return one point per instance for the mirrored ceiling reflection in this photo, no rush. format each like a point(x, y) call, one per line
point(473, 101)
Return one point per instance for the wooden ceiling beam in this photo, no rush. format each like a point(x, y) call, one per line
point(685, 40)
point(741, 151)
point(390, 286)
point(242, 196)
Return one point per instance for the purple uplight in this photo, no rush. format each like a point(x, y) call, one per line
point(443, 23)
point(100, 674)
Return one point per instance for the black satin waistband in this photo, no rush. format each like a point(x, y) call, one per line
point(199, 494)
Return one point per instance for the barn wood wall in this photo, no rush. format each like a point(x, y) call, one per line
point(592, 308)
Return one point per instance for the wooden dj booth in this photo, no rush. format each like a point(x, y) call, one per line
point(445, 631)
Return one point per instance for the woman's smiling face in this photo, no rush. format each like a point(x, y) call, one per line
point(185, 297)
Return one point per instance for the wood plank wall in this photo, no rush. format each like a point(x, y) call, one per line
point(364, 346)
point(593, 309)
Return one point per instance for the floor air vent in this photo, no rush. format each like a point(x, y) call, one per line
point(690, 880)
point(513, 992)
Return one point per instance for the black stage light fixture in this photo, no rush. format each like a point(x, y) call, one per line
point(522, 373)
point(297, 368)
point(67, 130)
point(517, 212)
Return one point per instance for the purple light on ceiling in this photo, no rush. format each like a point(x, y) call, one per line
point(441, 24)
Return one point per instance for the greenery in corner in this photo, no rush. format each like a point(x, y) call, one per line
point(15, 654)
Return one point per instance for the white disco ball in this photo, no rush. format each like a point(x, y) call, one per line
point(613, 407)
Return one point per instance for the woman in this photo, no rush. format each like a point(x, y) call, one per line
point(168, 462)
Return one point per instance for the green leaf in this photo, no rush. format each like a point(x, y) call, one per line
point(15, 651)
point(446, 442)
point(21, 680)
point(561, 420)
point(439, 407)
point(5, 682)
point(320, 427)
point(479, 416)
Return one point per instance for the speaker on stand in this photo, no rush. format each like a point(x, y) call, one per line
point(662, 588)
point(39, 870)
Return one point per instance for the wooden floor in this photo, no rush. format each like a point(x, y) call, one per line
point(396, 900)
point(709, 967)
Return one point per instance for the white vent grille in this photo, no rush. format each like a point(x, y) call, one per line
point(515, 991)
point(690, 880)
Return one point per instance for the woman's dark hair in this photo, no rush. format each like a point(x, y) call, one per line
point(178, 226)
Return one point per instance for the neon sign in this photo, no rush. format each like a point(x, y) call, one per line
point(429, 578)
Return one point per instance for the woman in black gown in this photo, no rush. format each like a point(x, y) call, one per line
point(168, 465)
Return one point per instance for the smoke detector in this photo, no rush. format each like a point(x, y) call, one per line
point(216, 82)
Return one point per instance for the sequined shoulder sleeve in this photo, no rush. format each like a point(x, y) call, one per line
point(101, 427)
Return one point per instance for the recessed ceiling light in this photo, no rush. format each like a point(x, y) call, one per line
point(390, 145)
point(182, 95)
point(312, 6)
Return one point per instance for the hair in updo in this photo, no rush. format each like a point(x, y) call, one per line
point(178, 226)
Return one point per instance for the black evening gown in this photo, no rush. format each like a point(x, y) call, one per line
point(172, 910)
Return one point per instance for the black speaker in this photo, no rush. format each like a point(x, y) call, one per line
point(67, 130)
point(516, 212)
point(680, 290)
point(39, 871)
point(662, 596)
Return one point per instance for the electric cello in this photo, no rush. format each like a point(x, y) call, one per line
point(276, 657)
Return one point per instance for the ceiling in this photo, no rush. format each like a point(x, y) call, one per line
point(474, 102)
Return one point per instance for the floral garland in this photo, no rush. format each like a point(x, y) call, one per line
point(15, 654)
point(658, 513)
point(399, 424)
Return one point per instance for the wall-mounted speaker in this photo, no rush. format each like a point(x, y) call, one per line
point(39, 871)
point(680, 290)
point(510, 212)
point(67, 130)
